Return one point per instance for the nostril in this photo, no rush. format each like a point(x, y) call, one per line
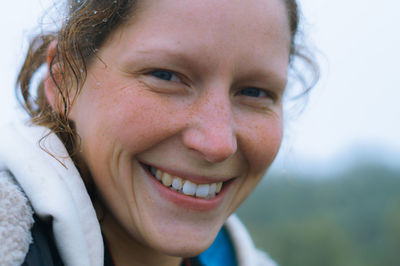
point(219, 154)
point(213, 146)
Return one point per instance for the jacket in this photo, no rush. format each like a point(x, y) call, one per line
point(38, 179)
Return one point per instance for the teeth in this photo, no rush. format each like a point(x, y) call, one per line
point(186, 187)
point(202, 191)
point(219, 186)
point(158, 174)
point(189, 188)
point(177, 183)
point(213, 189)
point(166, 179)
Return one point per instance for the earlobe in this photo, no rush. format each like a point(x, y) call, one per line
point(53, 78)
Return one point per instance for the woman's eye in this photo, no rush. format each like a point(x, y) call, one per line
point(165, 75)
point(253, 92)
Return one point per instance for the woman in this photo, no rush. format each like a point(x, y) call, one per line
point(155, 121)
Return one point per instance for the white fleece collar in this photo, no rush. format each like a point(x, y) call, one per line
point(54, 191)
point(15, 222)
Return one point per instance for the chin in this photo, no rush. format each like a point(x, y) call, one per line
point(183, 240)
point(185, 248)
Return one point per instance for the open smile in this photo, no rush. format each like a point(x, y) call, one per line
point(197, 193)
point(183, 186)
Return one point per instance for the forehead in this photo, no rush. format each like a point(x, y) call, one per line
point(220, 30)
point(210, 16)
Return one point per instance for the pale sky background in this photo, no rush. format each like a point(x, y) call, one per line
point(355, 108)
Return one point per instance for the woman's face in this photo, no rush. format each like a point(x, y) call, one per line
point(192, 91)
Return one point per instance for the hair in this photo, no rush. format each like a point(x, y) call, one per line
point(81, 35)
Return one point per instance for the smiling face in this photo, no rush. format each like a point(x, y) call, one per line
point(189, 92)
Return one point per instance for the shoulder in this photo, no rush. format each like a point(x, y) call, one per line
point(16, 220)
point(246, 253)
point(49, 179)
point(43, 251)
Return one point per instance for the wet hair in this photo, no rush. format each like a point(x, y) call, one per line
point(87, 25)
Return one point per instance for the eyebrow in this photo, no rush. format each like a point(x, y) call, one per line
point(184, 59)
point(175, 55)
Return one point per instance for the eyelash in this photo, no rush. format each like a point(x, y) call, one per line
point(158, 73)
point(255, 93)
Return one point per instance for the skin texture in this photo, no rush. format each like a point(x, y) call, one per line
point(201, 121)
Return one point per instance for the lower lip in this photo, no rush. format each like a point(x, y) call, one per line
point(185, 201)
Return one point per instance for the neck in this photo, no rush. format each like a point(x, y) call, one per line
point(126, 250)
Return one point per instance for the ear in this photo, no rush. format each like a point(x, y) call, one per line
point(53, 78)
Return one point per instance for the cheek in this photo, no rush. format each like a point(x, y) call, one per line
point(146, 122)
point(135, 119)
point(261, 139)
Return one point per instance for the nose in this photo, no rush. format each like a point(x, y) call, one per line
point(211, 129)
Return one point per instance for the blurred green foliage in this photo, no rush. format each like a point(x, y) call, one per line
point(351, 219)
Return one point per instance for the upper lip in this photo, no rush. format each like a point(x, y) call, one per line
point(195, 178)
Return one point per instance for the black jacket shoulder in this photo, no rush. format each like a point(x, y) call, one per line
point(43, 250)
